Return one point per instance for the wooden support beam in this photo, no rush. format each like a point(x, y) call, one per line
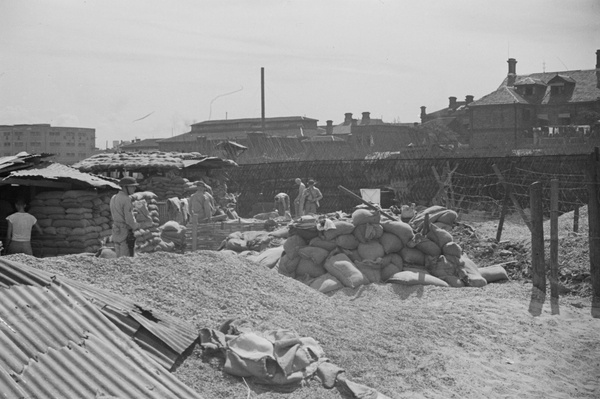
point(537, 238)
point(512, 196)
point(554, 245)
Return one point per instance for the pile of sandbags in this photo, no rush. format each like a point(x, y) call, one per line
point(148, 236)
point(167, 187)
point(73, 221)
point(366, 249)
point(173, 234)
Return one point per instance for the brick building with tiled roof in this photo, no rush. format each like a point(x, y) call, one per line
point(553, 108)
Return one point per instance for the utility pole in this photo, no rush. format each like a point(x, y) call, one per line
point(262, 98)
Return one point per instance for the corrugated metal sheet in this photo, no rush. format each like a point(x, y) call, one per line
point(61, 173)
point(55, 344)
point(163, 337)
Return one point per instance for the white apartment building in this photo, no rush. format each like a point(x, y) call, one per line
point(68, 144)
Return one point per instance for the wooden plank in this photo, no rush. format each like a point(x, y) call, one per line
point(537, 238)
point(594, 229)
point(554, 244)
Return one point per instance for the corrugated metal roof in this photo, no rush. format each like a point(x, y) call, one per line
point(55, 344)
point(210, 162)
point(59, 173)
point(163, 337)
point(19, 161)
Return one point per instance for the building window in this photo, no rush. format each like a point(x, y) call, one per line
point(555, 90)
point(81, 144)
point(19, 144)
point(70, 154)
point(82, 154)
point(54, 133)
point(34, 134)
point(7, 143)
point(7, 135)
point(54, 144)
point(36, 143)
point(70, 144)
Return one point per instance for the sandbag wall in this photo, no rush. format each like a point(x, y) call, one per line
point(148, 236)
point(166, 187)
point(366, 249)
point(73, 221)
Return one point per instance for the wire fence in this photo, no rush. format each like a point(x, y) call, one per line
point(483, 184)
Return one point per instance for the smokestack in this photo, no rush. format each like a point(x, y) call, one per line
point(262, 98)
point(329, 127)
point(366, 117)
point(452, 103)
point(512, 71)
point(469, 99)
point(598, 69)
point(348, 117)
point(423, 113)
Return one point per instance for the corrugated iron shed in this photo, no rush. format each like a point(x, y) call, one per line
point(162, 338)
point(49, 174)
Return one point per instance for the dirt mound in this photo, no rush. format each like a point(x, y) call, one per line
point(405, 341)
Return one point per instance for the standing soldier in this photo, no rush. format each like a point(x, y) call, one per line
point(312, 196)
point(121, 210)
point(299, 201)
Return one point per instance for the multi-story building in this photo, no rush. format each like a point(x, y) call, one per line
point(67, 144)
point(538, 109)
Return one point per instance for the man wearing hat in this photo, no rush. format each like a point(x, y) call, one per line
point(121, 210)
point(312, 196)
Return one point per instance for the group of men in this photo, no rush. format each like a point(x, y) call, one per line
point(306, 203)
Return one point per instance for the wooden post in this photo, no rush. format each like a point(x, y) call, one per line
point(554, 244)
point(594, 230)
point(576, 220)
point(503, 211)
point(537, 238)
point(512, 197)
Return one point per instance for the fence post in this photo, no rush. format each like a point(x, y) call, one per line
point(512, 196)
point(554, 244)
point(576, 220)
point(594, 230)
point(504, 209)
point(537, 238)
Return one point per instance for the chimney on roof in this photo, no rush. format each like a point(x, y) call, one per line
point(348, 117)
point(512, 71)
point(329, 127)
point(366, 117)
point(452, 103)
point(469, 99)
point(423, 113)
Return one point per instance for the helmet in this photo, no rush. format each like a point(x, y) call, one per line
point(128, 181)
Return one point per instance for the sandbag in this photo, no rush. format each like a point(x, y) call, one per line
point(347, 241)
point(236, 244)
point(367, 232)
point(268, 258)
point(408, 277)
point(412, 256)
point(400, 229)
point(293, 244)
point(316, 254)
point(441, 267)
point(341, 227)
point(371, 274)
point(389, 271)
point(344, 270)
point(307, 267)
point(282, 232)
point(470, 273)
point(307, 234)
point(438, 235)
point(287, 265)
point(449, 217)
point(493, 273)
point(429, 247)
point(326, 283)
point(362, 216)
point(444, 226)
point(391, 243)
point(321, 243)
point(370, 250)
point(453, 281)
point(452, 249)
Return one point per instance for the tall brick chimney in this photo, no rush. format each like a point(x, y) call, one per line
point(469, 99)
point(512, 71)
point(423, 113)
point(348, 117)
point(366, 117)
point(329, 127)
point(452, 102)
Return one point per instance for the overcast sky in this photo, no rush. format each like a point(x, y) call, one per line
point(150, 68)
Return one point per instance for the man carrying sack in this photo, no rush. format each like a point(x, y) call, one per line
point(124, 224)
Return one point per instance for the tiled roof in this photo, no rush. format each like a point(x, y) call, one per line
point(59, 173)
point(585, 89)
point(58, 343)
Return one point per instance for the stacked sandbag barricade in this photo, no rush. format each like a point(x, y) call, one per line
point(148, 235)
point(328, 254)
point(168, 186)
point(73, 221)
point(174, 233)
